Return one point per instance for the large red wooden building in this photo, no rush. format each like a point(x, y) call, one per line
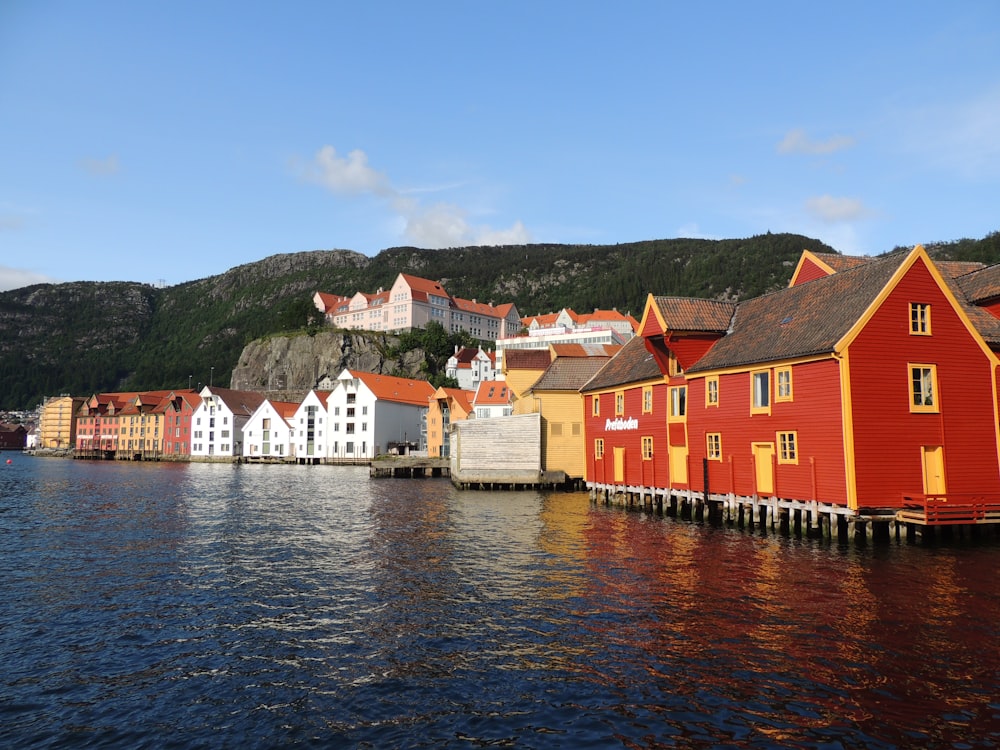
point(867, 385)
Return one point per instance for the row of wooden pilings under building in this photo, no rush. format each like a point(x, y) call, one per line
point(810, 519)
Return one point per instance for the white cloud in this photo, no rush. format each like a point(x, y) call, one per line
point(438, 226)
point(350, 174)
point(102, 167)
point(15, 278)
point(797, 142)
point(831, 209)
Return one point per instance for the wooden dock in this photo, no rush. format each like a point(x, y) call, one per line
point(409, 466)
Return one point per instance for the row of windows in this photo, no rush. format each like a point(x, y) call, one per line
point(923, 390)
point(787, 447)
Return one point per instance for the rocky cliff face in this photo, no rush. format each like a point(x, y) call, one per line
point(289, 366)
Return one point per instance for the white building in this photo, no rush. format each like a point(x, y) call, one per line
point(269, 434)
point(493, 399)
point(218, 422)
point(368, 413)
point(470, 367)
point(310, 425)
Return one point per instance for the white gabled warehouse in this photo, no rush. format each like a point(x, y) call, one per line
point(367, 413)
point(269, 433)
point(310, 425)
point(218, 422)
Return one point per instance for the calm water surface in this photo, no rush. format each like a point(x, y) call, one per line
point(158, 605)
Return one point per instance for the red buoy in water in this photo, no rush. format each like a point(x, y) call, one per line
point(10, 460)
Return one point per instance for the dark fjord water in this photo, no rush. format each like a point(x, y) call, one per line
point(160, 605)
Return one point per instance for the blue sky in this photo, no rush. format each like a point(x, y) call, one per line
point(166, 142)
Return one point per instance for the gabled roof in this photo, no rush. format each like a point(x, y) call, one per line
point(240, 403)
point(330, 301)
point(526, 359)
point(800, 321)
point(397, 390)
point(607, 316)
point(467, 354)
point(493, 393)
point(569, 374)
point(420, 288)
point(980, 285)
point(458, 396)
point(690, 315)
point(633, 364)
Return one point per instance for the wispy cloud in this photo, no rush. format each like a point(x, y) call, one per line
point(959, 137)
point(15, 278)
point(101, 167)
point(434, 226)
point(831, 209)
point(797, 142)
point(11, 222)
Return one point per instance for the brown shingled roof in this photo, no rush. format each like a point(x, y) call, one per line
point(839, 262)
point(569, 374)
point(690, 314)
point(526, 359)
point(981, 284)
point(801, 320)
point(633, 364)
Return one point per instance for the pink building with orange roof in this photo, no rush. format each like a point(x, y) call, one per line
point(413, 302)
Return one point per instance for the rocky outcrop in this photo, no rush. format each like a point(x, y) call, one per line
point(289, 366)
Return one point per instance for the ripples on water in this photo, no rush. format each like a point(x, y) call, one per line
point(159, 605)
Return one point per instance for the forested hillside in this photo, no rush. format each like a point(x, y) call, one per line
point(85, 337)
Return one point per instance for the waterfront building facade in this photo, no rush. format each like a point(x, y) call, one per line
point(371, 414)
point(219, 421)
point(626, 422)
point(445, 407)
point(269, 434)
point(862, 388)
point(57, 422)
point(310, 423)
point(178, 409)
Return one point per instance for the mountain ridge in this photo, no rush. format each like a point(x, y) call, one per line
point(87, 337)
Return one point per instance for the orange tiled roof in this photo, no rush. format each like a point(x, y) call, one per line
point(398, 390)
point(493, 392)
point(462, 398)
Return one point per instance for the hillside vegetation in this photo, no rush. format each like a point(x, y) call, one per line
point(86, 337)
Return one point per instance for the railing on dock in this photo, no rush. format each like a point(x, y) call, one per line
point(949, 510)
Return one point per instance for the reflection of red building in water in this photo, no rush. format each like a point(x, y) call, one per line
point(861, 386)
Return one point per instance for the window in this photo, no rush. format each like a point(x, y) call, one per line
point(678, 402)
point(673, 366)
point(787, 448)
point(712, 391)
point(761, 387)
point(599, 448)
point(619, 403)
point(713, 446)
point(783, 384)
point(923, 388)
point(596, 408)
point(647, 399)
point(555, 429)
point(920, 319)
point(647, 448)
